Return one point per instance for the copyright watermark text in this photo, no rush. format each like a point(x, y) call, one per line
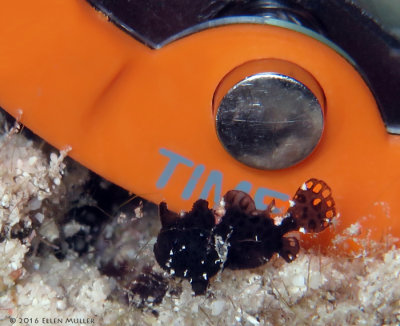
point(51, 321)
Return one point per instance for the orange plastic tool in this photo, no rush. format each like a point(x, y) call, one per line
point(143, 118)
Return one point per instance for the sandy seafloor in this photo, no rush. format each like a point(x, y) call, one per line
point(39, 186)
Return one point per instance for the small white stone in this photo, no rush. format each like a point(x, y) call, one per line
point(14, 266)
point(5, 201)
point(41, 195)
point(50, 230)
point(138, 212)
point(195, 308)
point(32, 160)
point(298, 280)
point(61, 305)
point(34, 204)
point(53, 157)
point(71, 228)
point(57, 181)
point(217, 307)
point(252, 320)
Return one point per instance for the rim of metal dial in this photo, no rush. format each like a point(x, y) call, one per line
point(270, 120)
